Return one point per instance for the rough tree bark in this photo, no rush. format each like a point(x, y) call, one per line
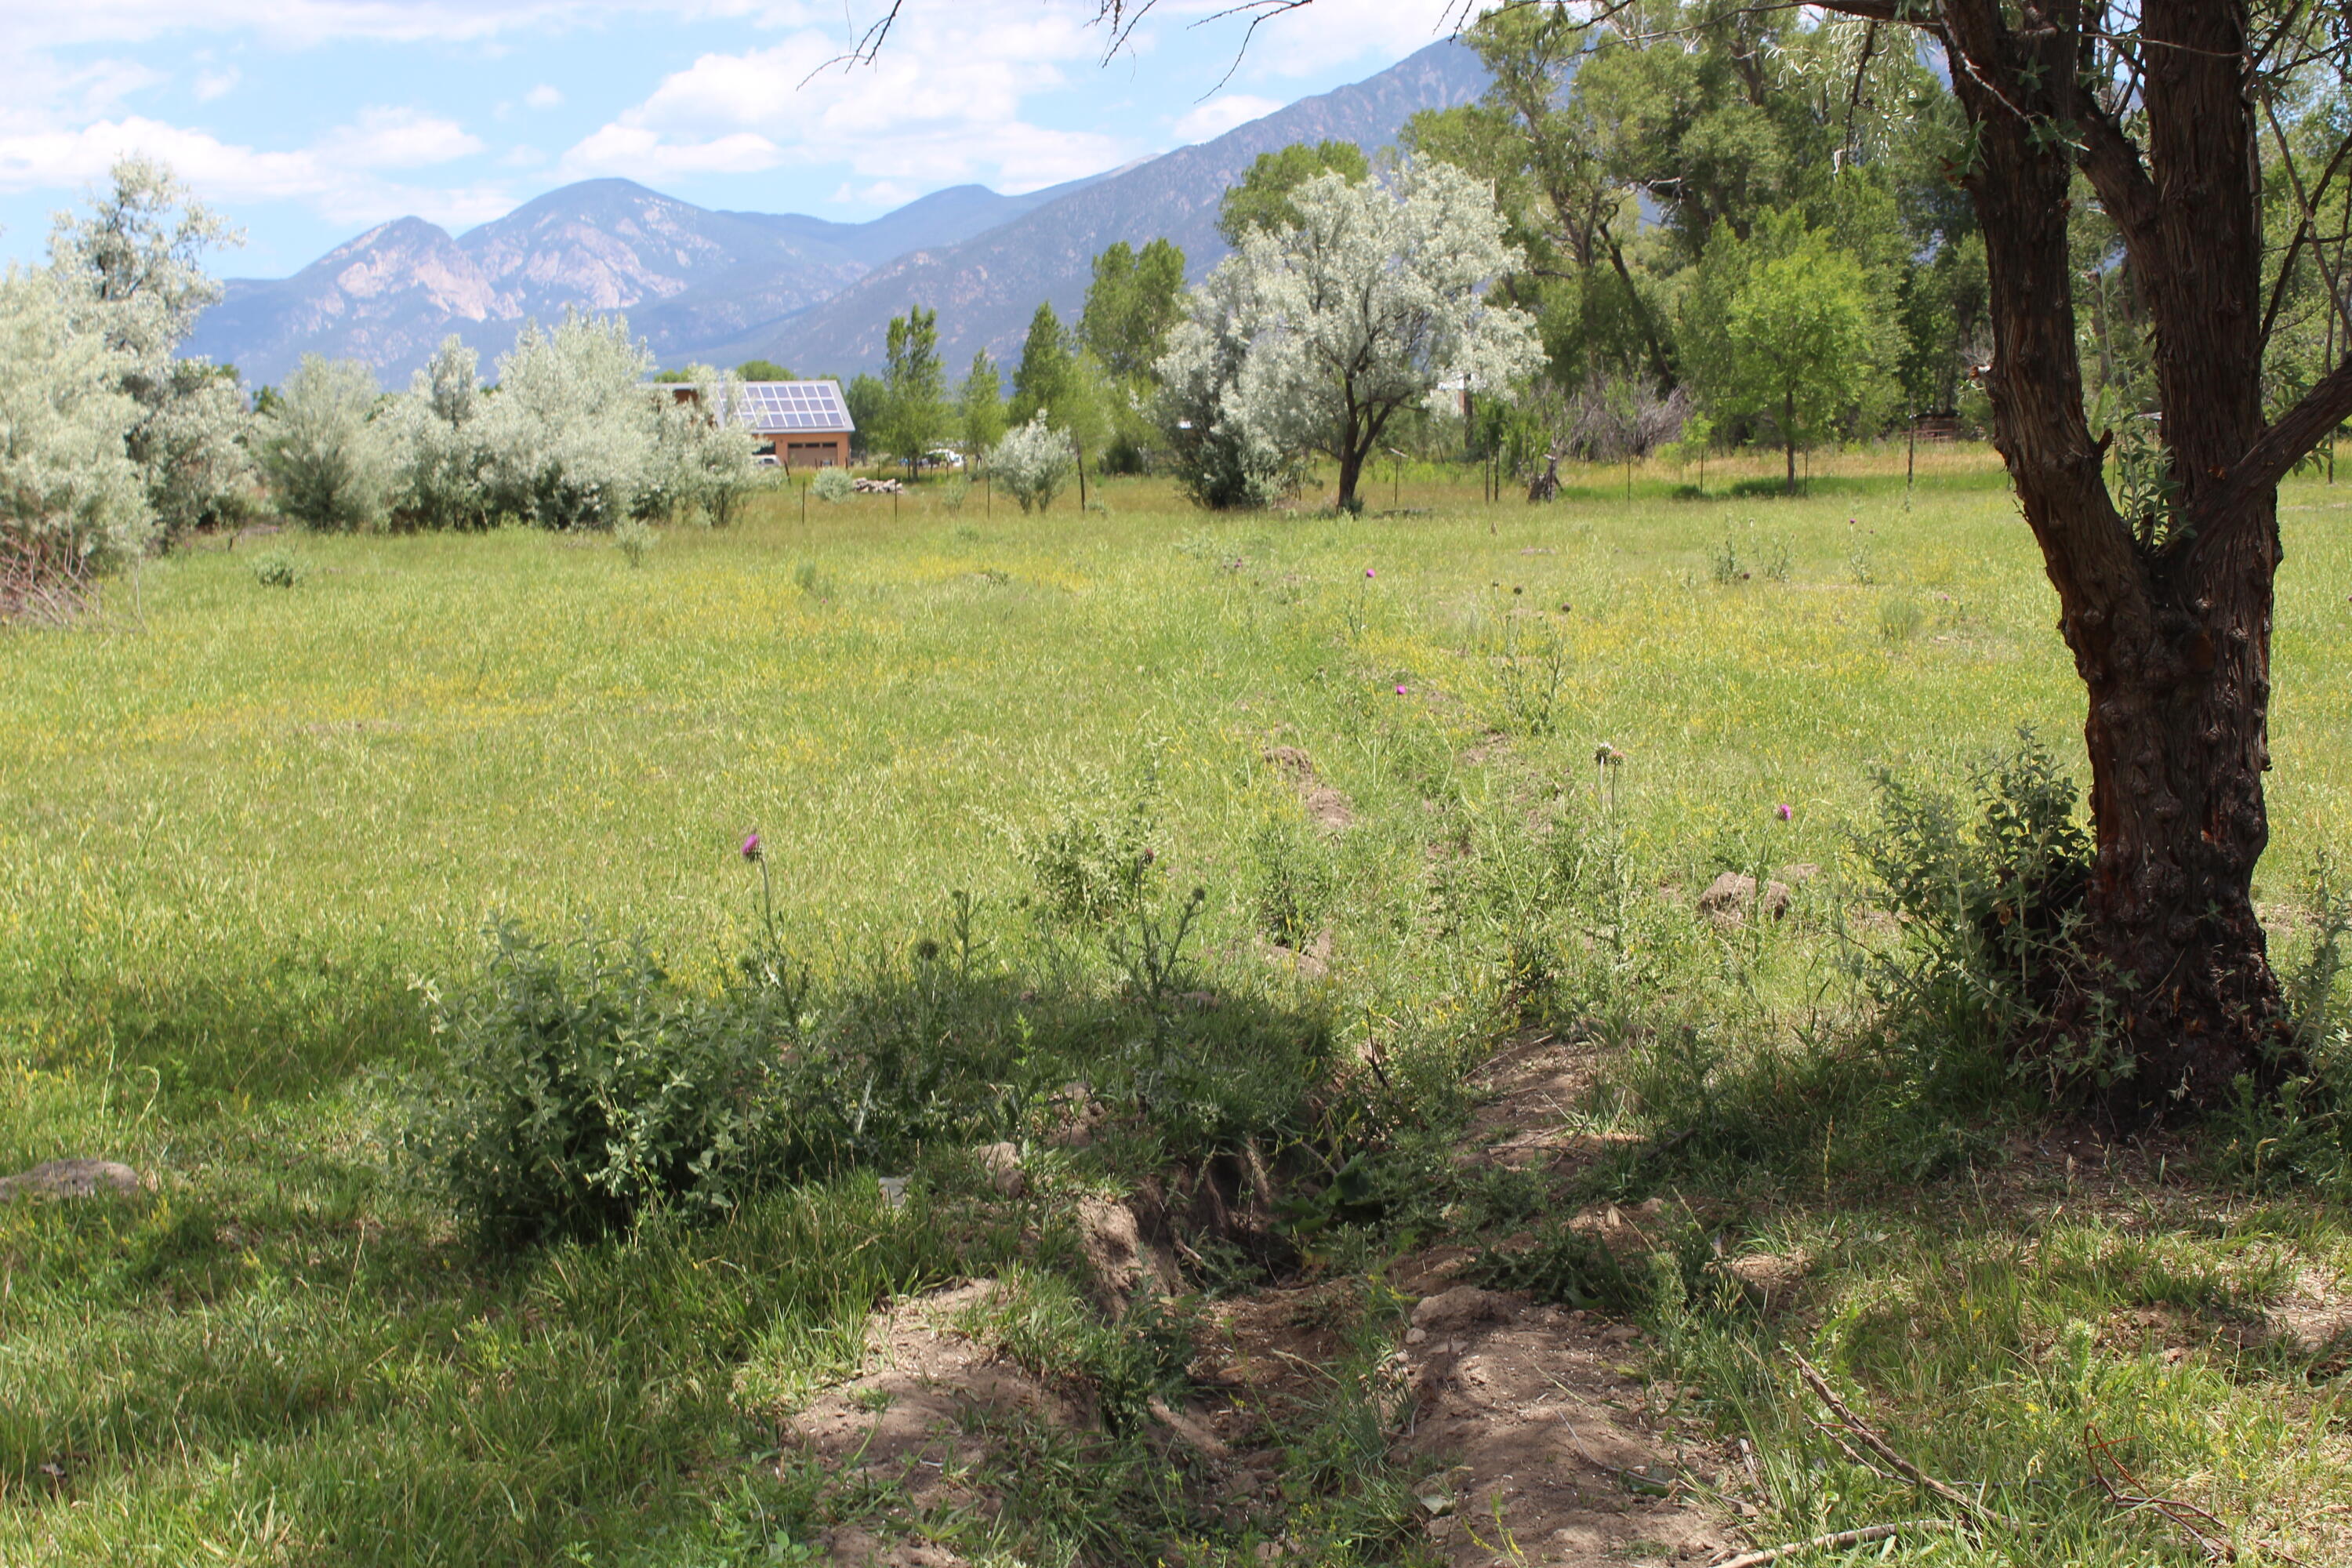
point(2169, 616)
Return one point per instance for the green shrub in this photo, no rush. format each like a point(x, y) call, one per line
point(1991, 893)
point(1090, 863)
point(573, 1094)
point(277, 570)
point(2303, 1134)
point(833, 485)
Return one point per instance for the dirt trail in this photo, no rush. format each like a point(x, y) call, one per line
point(1541, 1440)
point(1530, 1433)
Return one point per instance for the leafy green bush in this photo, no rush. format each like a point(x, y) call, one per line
point(573, 1094)
point(1991, 894)
point(833, 485)
point(2302, 1135)
point(277, 570)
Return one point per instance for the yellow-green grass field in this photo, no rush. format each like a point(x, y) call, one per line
point(248, 831)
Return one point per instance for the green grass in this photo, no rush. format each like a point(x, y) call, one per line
point(246, 830)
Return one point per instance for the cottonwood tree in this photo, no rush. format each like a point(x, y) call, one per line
point(2163, 108)
point(980, 406)
point(1798, 341)
point(914, 408)
point(1362, 311)
point(1259, 202)
point(1134, 300)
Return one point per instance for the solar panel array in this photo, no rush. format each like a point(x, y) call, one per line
point(774, 405)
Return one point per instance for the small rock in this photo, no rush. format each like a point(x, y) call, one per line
point(1122, 1260)
point(1460, 1306)
point(1620, 1334)
point(1414, 1336)
point(1797, 874)
point(71, 1179)
point(894, 1190)
point(1002, 1163)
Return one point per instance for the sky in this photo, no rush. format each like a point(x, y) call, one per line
point(307, 121)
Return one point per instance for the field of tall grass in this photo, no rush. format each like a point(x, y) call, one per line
point(256, 816)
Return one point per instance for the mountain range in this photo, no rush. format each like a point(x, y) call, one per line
point(816, 295)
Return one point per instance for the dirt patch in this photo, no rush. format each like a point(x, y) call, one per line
point(2314, 1318)
point(1530, 1092)
point(902, 1423)
point(1535, 1434)
point(1325, 807)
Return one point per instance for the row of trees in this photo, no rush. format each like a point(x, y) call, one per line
point(111, 445)
point(566, 438)
point(1091, 385)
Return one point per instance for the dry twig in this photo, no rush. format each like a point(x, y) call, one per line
point(2213, 1537)
point(1836, 1542)
point(1870, 1439)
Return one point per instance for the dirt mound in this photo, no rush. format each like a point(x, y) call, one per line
point(1325, 807)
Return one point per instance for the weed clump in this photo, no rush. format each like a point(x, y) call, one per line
point(2302, 1134)
point(575, 1093)
point(278, 570)
point(1989, 894)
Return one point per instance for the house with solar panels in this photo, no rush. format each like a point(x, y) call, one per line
point(793, 423)
point(798, 424)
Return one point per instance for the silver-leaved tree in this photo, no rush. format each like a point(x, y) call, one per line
point(1314, 337)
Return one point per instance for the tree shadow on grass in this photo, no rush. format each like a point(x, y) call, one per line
point(328, 1349)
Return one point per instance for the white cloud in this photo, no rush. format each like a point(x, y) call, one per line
point(1220, 114)
point(214, 84)
point(25, 26)
point(542, 97)
point(338, 176)
point(881, 194)
point(940, 106)
point(398, 139)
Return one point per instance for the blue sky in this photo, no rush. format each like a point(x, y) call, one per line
point(307, 120)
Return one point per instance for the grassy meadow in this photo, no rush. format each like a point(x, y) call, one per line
point(250, 832)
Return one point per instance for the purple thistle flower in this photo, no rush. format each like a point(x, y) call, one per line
point(1784, 811)
point(1400, 691)
point(751, 847)
point(1367, 572)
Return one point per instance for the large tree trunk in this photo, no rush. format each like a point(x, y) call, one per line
point(2169, 616)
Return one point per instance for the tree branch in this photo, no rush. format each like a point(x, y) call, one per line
point(2113, 164)
point(2286, 443)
